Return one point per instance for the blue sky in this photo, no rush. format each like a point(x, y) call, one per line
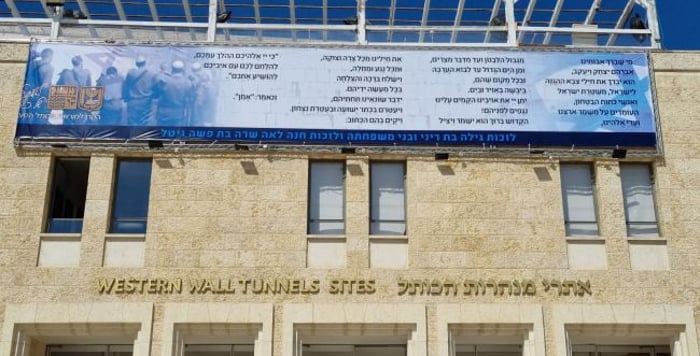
point(680, 24)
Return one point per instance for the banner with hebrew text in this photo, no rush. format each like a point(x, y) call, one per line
point(330, 95)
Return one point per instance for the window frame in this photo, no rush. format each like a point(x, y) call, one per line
point(650, 168)
point(372, 221)
point(351, 348)
point(594, 198)
point(233, 349)
point(309, 219)
point(113, 201)
point(51, 195)
point(104, 349)
point(476, 349)
point(601, 349)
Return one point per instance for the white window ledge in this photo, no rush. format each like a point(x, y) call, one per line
point(62, 236)
point(647, 240)
point(325, 237)
point(586, 239)
point(388, 237)
point(126, 236)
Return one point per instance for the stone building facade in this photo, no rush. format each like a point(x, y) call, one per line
point(485, 263)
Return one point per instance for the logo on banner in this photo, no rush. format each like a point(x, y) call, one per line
point(62, 97)
point(91, 98)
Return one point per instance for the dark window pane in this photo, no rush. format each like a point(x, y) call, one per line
point(578, 195)
point(218, 350)
point(130, 204)
point(387, 198)
point(89, 350)
point(638, 196)
point(326, 198)
point(68, 190)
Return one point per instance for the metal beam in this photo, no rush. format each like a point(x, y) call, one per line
point(211, 21)
point(434, 28)
point(122, 16)
point(84, 10)
point(55, 19)
point(652, 21)
point(154, 10)
point(258, 20)
point(47, 11)
point(15, 13)
point(286, 27)
point(550, 30)
point(595, 5)
point(510, 22)
point(458, 21)
point(324, 19)
point(293, 17)
point(424, 21)
point(598, 30)
point(621, 21)
point(494, 13)
point(526, 19)
point(361, 22)
point(222, 7)
point(392, 18)
point(23, 20)
point(117, 23)
point(154, 15)
point(553, 20)
point(188, 17)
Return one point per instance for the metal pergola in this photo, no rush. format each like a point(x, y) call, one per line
point(477, 23)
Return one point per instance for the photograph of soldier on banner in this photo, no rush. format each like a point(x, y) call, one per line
point(135, 86)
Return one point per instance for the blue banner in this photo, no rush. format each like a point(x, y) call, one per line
point(336, 95)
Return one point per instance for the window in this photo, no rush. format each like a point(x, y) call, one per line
point(491, 339)
point(615, 330)
point(578, 199)
point(489, 350)
point(387, 198)
point(353, 350)
point(620, 350)
point(131, 191)
point(638, 196)
point(326, 198)
point(68, 190)
point(89, 350)
point(354, 339)
point(218, 350)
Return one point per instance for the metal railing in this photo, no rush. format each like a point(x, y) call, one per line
point(502, 29)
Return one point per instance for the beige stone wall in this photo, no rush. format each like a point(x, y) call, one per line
point(474, 217)
point(677, 83)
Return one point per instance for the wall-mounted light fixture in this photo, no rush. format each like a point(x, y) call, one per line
point(348, 150)
point(223, 16)
point(74, 14)
point(637, 23)
point(442, 156)
point(352, 20)
point(619, 153)
point(532, 151)
point(54, 3)
point(154, 145)
point(56, 6)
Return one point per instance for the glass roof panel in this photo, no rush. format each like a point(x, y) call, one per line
point(30, 8)
point(296, 14)
point(137, 11)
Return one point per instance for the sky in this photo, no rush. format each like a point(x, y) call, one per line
point(680, 24)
